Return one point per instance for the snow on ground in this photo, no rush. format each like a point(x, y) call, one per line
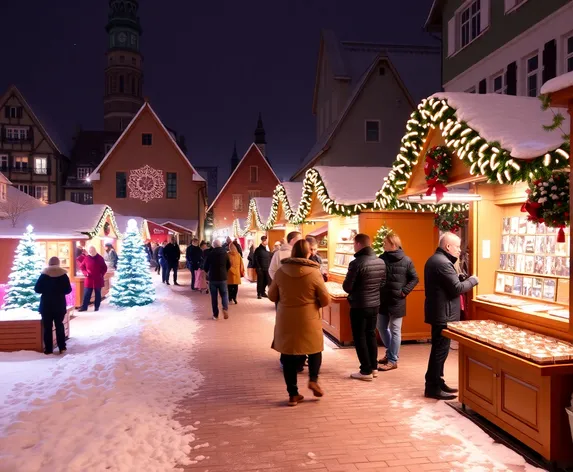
point(108, 404)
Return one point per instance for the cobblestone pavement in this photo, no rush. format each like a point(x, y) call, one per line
point(243, 423)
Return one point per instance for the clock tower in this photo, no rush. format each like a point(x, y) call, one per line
point(124, 65)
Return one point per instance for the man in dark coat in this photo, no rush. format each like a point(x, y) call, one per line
point(262, 260)
point(401, 278)
point(172, 254)
point(53, 285)
point(443, 289)
point(365, 277)
point(193, 256)
point(217, 266)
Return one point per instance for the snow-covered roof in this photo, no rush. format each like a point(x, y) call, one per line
point(62, 220)
point(515, 122)
point(293, 191)
point(558, 83)
point(352, 185)
point(22, 199)
point(4, 179)
point(189, 225)
point(264, 205)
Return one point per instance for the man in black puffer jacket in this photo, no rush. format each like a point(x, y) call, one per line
point(401, 278)
point(443, 288)
point(365, 277)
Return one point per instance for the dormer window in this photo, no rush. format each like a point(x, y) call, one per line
point(84, 172)
point(13, 112)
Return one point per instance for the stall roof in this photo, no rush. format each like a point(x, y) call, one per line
point(264, 205)
point(558, 83)
point(293, 191)
point(516, 123)
point(122, 220)
point(189, 225)
point(62, 220)
point(352, 185)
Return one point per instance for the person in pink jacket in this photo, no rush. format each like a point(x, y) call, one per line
point(94, 268)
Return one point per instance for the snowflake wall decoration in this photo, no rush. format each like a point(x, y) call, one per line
point(146, 183)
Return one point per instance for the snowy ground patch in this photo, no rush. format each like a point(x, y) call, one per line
point(109, 403)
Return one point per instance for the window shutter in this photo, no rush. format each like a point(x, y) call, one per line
point(509, 4)
point(482, 88)
point(511, 79)
point(19, 112)
point(549, 61)
point(452, 36)
point(484, 15)
point(7, 111)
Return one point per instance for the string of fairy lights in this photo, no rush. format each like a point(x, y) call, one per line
point(107, 213)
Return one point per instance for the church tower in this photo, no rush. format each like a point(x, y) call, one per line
point(260, 136)
point(124, 65)
point(234, 158)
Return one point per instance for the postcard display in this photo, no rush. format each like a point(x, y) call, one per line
point(515, 354)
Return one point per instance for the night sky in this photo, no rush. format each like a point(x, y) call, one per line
point(210, 66)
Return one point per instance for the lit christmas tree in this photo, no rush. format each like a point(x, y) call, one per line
point(132, 284)
point(28, 265)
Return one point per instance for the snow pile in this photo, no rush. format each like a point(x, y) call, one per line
point(515, 122)
point(109, 403)
point(352, 185)
point(19, 314)
point(475, 450)
point(558, 83)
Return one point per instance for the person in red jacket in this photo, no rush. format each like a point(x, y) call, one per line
point(94, 268)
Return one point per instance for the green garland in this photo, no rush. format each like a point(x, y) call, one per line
point(483, 158)
point(378, 243)
point(450, 221)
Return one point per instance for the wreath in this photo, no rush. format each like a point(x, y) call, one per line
point(106, 229)
point(437, 168)
point(451, 221)
point(548, 202)
point(378, 243)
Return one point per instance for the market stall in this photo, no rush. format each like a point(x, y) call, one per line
point(515, 357)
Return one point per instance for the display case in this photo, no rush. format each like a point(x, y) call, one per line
point(336, 316)
point(341, 239)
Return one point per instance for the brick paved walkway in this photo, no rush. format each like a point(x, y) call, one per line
point(243, 423)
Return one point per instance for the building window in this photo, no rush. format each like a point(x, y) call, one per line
point(4, 162)
point(120, 185)
point(497, 84)
point(146, 139)
point(121, 84)
point(254, 194)
point(21, 163)
point(372, 131)
point(470, 23)
point(569, 54)
point(84, 172)
point(171, 185)
point(24, 188)
point(532, 76)
point(254, 174)
point(41, 193)
point(84, 198)
point(13, 112)
point(237, 202)
point(16, 134)
point(41, 165)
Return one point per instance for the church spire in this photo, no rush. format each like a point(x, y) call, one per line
point(260, 135)
point(234, 158)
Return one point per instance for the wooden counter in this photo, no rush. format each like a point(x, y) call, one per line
point(525, 399)
point(336, 321)
point(80, 280)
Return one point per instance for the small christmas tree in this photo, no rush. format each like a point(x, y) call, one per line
point(378, 243)
point(28, 265)
point(132, 284)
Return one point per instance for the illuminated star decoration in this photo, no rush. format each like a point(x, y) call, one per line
point(146, 183)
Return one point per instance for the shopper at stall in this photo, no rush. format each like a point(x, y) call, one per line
point(156, 248)
point(250, 257)
point(443, 289)
point(172, 254)
point(110, 256)
point(237, 244)
point(235, 274)
point(53, 285)
point(299, 290)
point(94, 268)
point(216, 266)
point(163, 264)
point(262, 260)
point(314, 254)
point(401, 278)
point(277, 246)
point(284, 252)
point(193, 256)
point(365, 278)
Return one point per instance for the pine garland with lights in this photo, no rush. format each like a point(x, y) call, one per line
point(548, 202)
point(450, 221)
point(437, 166)
point(28, 265)
point(378, 243)
point(484, 158)
point(132, 284)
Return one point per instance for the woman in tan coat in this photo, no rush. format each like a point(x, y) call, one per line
point(299, 289)
point(235, 274)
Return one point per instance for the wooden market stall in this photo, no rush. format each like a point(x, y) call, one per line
point(61, 230)
point(515, 357)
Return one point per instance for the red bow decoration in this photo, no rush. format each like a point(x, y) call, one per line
point(533, 209)
point(561, 234)
point(437, 186)
point(430, 165)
